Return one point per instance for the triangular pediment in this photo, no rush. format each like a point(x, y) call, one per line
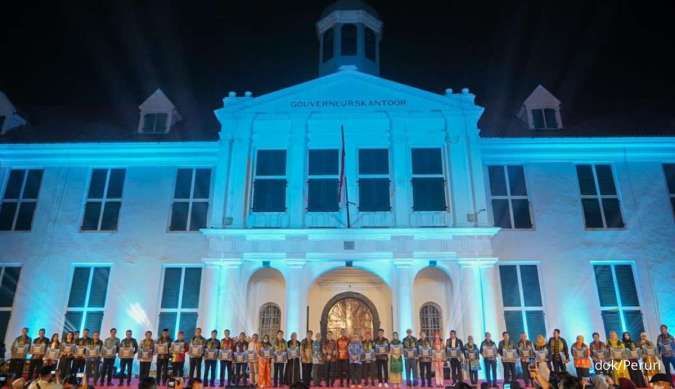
point(541, 97)
point(346, 91)
point(157, 101)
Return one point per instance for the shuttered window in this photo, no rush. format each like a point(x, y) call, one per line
point(599, 197)
point(86, 301)
point(521, 297)
point(180, 299)
point(20, 199)
point(269, 184)
point(510, 204)
point(9, 279)
point(428, 180)
point(322, 181)
point(618, 297)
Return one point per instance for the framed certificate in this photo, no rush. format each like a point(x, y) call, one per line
point(267, 352)
point(280, 356)
point(438, 355)
point(410, 353)
point(53, 354)
point(38, 348)
point(196, 350)
point(369, 356)
point(67, 349)
point(634, 353)
point(599, 354)
point(316, 358)
point(126, 352)
point(541, 355)
point(395, 349)
point(578, 354)
point(472, 355)
point(490, 352)
point(425, 352)
point(525, 353)
point(177, 347)
point(93, 351)
point(453, 353)
point(162, 348)
point(20, 350)
point(211, 353)
point(80, 351)
point(381, 348)
point(354, 358)
point(650, 351)
point(617, 353)
point(226, 354)
point(252, 356)
point(146, 354)
point(239, 357)
point(292, 353)
point(509, 355)
point(108, 352)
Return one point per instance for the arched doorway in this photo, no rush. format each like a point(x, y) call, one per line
point(351, 311)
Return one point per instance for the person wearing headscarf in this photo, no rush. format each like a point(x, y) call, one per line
point(633, 354)
point(395, 360)
point(617, 353)
point(525, 354)
point(581, 355)
point(264, 350)
point(437, 359)
point(650, 357)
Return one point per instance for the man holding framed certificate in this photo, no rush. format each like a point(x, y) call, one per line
point(410, 353)
point(178, 349)
point(127, 350)
point(109, 350)
point(453, 348)
point(163, 345)
point(19, 351)
point(196, 351)
point(525, 352)
point(425, 353)
point(211, 359)
point(488, 349)
point(37, 351)
point(145, 355)
point(93, 364)
point(507, 350)
point(81, 344)
point(382, 358)
point(226, 346)
point(240, 359)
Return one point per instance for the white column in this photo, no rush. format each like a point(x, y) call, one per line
point(237, 182)
point(403, 307)
point(472, 300)
point(220, 302)
point(459, 184)
point(296, 297)
point(492, 317)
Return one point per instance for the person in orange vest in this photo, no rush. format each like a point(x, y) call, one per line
point(582, 357)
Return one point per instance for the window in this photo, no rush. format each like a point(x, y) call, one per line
point(180, 300)
point(544, 118)
point(599, 197)
point(104, 200)
point(619, 303)
point(88, 292)
point(20, 200)
point(428, 181)
point(191, 199)
point(348, 39)
point(371, 44)
point(521, 296)
point(269, 185)
point(669, 171)
point(430, 319)
point(2, 122)
point(270, 320)
point(322, 183)
point(155, 123)
point(374, 180)
point(9, 278)
point(328, 44)
point(510, 205)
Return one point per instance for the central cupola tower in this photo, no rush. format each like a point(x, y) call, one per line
point(349, 34)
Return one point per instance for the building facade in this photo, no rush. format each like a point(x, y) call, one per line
point(348, 201)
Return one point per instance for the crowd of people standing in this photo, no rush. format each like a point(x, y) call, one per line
point(339, 359)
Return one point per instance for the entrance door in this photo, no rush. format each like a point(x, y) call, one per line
point(351, 311)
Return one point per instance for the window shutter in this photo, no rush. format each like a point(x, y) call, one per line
point(530, 280)
point(78, 287)
point(171, 287)
point(514, 323)
point(191, 286)
point(99, 287)
point(603, 278)
point(509, 278)
point(626, 284)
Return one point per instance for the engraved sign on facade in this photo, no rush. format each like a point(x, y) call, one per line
point(348, 103)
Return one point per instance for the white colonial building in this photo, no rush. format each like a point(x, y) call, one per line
point(173, 220)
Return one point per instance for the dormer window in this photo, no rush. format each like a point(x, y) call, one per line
point(349, 39)
point(371, 44)
point(328, 45)
point(544, 118)
point(158, 114)
point(155, 123)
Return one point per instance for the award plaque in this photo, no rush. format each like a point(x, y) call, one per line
point(146, 354)
point(453, 352)
point(196, 350)
point(425, 352)
point(177, 347)
point(525, 353)
point(162, 348)
point(354, 358)
point(634, 353)
point(395, 350)
point(239, 357)
point(410, 353)
point(20, 351)
point(292, 352)
point(80, 351)
point(108, 352)
point(252, 356)
point(509, 355)
point(280, 356)
point(650, 351)
point(490, 352)
point(126, 352)
point(599, 354)
point(578, 353)
point(211, 353)
point(381, 348)
point(94, 351)
point(541, 355)
point(617, 353)
point(53, 354)
point(226, 354)
point(38, 349)
point(438, 355)
point(472, 355)
point(267, 352)
point(68, 349)
point(369, 356)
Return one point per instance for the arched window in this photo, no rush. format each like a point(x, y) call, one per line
point(328, 45)
point(270, 320)
point(370, 44)
point(349, 39)
point(430, 318)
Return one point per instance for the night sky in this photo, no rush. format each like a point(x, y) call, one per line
point(597, 57)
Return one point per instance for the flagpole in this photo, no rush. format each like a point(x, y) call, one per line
point(344, 177)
